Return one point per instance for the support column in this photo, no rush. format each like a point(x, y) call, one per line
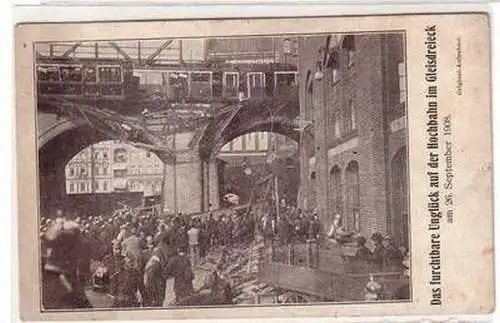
point(306, 138)
point(213, 184)
point(321, 149)
point(183, 185)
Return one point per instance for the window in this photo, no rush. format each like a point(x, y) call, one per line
point(148, 154)
point(350, 58)
point(105, 155)
point(336, 127)
point(333, 64)
point(348, 45)
point(336, 189)
point(285, 82)
point(256, 84)
point(96, 186)
point(231, 84)
point(71, 73)
point(335, 75)
point(110, 74)
point(71, 187)
point(119, 172)
point(178, 86)
point(71, 171)
point(104, 170)
point(201, 86)
point(402, 82)
point(83, 171)
point(82, 186)
point(96, 155)
point(350, 118)
point(352, 197)
point(47, 73)
point(120, 155)
point(105, 186)
point(96, 170)
point(90, 75)
point(353, 114)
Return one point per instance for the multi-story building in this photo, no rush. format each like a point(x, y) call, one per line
point(354, 158)
point(112, 166)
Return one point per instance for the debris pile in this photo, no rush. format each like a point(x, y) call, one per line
point(241, 265)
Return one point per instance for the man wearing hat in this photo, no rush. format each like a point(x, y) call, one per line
point(180, 268)
point(394, 257)
point(60, 286)
point(379, 252)
point(362, 251)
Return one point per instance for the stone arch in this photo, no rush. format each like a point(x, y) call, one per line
point(55, 151)
point(252, 116)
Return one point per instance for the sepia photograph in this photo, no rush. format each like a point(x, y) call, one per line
point(223, 171)
point(274, 167)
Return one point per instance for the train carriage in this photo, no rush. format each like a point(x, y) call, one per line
point(120, 85)
point(103, 79)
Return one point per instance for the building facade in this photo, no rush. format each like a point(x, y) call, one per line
point(112, 166)
point(354, 158)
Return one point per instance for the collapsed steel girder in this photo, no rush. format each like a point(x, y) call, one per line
point(119, 127)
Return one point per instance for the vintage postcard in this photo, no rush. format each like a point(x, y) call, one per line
point(334, 166)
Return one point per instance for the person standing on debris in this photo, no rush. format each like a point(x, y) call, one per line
point(180, 268)
point(194, 248)
point(219, 286)
point(60, 286)
point(129, 282)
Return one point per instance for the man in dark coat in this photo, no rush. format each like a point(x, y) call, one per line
point(379, 253)
point(180, 268)
point(60, 286)
point(129, 281)
point(362, 252)
point(154, 278)
point(393, 256)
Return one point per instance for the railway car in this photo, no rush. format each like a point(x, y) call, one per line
point(219, 84)
point(94, 79)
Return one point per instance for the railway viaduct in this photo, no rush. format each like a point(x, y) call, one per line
point(189, 154)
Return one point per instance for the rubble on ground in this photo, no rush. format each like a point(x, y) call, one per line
point(241, 268)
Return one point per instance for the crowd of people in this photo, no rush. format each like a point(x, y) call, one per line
point(129, 255)
point(291, 226)
point(294, 225)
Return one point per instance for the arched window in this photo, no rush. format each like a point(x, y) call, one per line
point(120, 155)
point(352, 197)
point(336, 189)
